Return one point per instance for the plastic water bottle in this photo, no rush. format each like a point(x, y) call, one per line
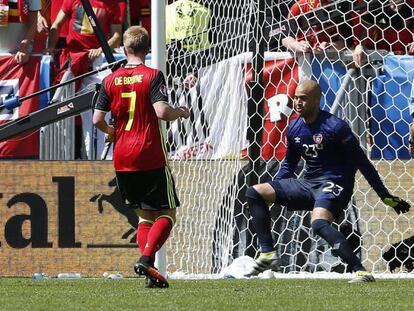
point(68, 275)
point(112, 276)
point(115, 276)
point(39, 276)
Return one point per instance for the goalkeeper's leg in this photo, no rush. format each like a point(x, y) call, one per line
point(259, 210)
point(341, 246)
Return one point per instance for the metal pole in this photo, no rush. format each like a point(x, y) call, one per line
point(342, 91)
point(255, 103)
point(16, 101)
point(158, 60)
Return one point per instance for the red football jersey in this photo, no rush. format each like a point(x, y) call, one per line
point(55, 7)
point(392, 31)
point(129, 94)
point(80, 34)
point(314, 35)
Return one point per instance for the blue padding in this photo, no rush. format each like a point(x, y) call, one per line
point(390, 108)
point(11, 102)
point(329, 76)
point(411, 101)
point(44, 98)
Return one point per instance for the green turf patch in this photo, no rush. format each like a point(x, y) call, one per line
point(227, 294)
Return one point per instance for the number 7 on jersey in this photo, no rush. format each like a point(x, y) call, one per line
point(133, 98)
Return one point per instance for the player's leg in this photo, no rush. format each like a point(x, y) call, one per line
point(330, 198)
point(158, 205)
point(159, 231)
point(156, 237)
point(144, 227)
point(321, 225)
point(132, 190)
point(258, 197)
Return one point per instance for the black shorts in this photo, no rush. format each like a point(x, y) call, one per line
point(150, 190)
point(305, 194)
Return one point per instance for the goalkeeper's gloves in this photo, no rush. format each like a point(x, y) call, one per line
point(400, 206)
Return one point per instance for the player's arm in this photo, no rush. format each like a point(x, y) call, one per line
point(100, 122)
point(159, 100)
point(290, 163)
point(355, 152)
point(296, 46)
point(167, 113)
point(117, 19)
point(26, 44)
point(290, 42)
point(102, 107)
point(42, 23)
point(113, 41)
point(54, 30)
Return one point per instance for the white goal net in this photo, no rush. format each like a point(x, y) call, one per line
point(236, 65)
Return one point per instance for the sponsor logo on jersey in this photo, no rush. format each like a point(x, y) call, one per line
point(318, 138)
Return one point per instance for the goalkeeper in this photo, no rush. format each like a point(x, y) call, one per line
point(332, 155)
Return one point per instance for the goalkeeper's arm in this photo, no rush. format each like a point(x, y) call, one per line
point(371, 174)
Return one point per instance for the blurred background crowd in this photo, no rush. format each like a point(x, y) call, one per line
point(203, 32)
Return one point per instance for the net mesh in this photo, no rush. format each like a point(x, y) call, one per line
point(236, 65)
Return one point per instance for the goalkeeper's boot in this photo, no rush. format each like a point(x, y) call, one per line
point(145, 266)
point(362, 276)
point(266, 261)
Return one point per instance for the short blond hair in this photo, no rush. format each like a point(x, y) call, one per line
point(136, 40)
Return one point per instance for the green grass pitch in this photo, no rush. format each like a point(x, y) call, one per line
point(197, 295)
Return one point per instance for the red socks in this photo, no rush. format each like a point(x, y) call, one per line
point(156, 236)
point(142, 234)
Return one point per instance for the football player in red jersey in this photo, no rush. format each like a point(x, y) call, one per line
point(316, 38)
point(389, 27)
point(82, 45)
point(136, 95)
